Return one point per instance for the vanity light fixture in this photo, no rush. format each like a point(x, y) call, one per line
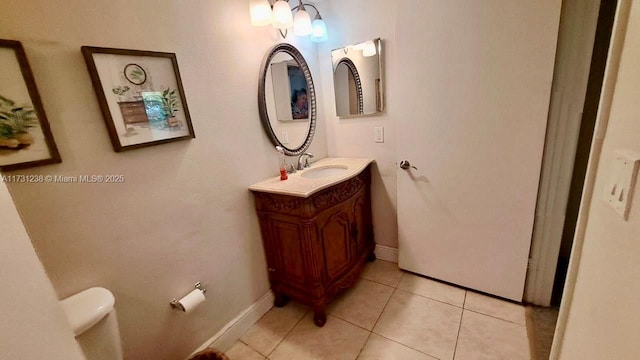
point(280, 15)
point(260, 13)
point(302, 22)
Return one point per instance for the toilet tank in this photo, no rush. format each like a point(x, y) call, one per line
point(92, 317)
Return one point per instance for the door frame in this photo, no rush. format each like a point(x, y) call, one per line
point(604, 109)
point(576, 84)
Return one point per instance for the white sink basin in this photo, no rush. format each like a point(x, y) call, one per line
point(325, 171)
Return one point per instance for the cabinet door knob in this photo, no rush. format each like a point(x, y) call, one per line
point(354, 232)
point(272, 270)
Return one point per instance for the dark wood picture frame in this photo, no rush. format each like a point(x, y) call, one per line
point(34, 115)
point(151, 112)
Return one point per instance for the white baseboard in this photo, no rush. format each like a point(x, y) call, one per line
point(231, 332)
point(386, 253)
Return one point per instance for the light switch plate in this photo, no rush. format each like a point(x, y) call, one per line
point(378, 134)
point(285, 137)
point(619, 189)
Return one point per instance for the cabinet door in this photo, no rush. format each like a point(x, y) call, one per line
point(360, 225)
point(335, 241)
point(286, 252)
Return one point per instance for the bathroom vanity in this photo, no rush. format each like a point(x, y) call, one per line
point(316, 225)
point(317, 231)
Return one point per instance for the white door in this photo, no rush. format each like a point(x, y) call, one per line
point(474, 90)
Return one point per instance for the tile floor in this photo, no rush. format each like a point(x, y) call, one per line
point(391, 314)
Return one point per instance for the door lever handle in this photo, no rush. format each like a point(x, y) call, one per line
point(405, 165)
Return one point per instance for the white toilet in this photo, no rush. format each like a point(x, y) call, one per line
point(93, 319)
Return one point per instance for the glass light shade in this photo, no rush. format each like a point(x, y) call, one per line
point(369, 49)
point(282, 17)
point(319, 31)
point(302, 23)
point(260, 12)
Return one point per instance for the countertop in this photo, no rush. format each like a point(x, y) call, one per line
point(300, 186)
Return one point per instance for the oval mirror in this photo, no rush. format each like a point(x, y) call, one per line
point(286, 99)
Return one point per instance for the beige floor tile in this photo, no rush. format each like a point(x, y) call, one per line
point(432, 289)
point(362, 304)
point(337, 340)
point(379, 348)
point(383, 272)
point(423, 324)
point(240, 351)
point(484, 337)
point(267, 333)
point(541, 326)
point(500, 309)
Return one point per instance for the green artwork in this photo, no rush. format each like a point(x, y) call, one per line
point(15, 122)
point(155, 109)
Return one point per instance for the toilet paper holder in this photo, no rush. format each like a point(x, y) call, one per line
point(175, 303)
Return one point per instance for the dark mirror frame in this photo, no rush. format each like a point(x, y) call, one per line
point(311, 97)
point(356, 78)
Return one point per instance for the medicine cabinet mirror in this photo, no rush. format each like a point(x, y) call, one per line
point(357, 79)
point(286, 99)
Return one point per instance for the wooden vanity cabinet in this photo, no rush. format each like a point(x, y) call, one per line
point(316, 247)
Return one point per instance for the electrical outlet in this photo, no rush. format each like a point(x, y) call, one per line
point(378, 134)
point(619, 189)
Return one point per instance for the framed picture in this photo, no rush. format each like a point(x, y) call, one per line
point(25, 137)
point(141, 96)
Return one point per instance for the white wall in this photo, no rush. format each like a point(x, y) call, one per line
point(353, 22)
point(32, 325)
point(603, 317)
point(184, 213)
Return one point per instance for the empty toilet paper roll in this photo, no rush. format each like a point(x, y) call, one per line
point(191, 300)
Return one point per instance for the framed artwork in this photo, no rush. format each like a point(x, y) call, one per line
point(25, 136)
point(140, 95)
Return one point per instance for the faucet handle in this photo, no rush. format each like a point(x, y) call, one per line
point(305, 157)
point(290, 168)
point(306, 160)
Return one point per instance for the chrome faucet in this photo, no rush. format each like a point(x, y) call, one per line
point(303, 160)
